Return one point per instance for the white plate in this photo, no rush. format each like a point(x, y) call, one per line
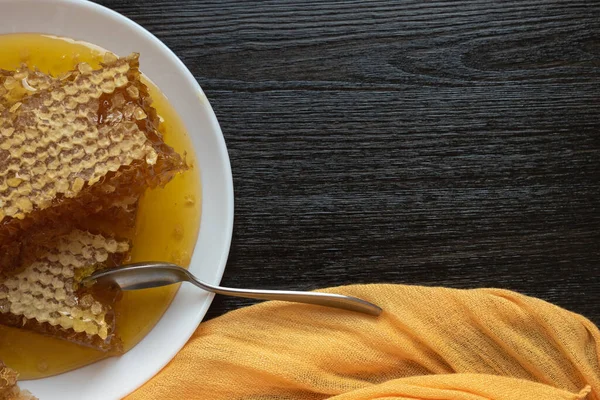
point(116, 377)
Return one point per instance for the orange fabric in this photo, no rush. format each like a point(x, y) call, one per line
point(430, 343)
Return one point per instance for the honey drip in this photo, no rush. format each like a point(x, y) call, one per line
point(155, 236)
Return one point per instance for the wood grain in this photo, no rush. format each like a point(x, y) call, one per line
point(444, 143)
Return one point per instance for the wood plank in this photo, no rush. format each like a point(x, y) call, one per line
point(436, 143)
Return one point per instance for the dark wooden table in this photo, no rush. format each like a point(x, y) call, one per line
point(431, 143)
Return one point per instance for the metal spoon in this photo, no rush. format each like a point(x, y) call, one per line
point(153, 274)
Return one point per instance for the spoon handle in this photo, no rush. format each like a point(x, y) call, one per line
point(317, 298)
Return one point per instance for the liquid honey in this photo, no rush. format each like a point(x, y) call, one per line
point(166, 227)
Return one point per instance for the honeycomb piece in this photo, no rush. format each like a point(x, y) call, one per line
point(87, 143)
point(8, 385)
point(45, 296)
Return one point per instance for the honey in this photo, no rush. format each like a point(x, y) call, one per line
point(154, 237)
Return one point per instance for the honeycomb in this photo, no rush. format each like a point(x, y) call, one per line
point(79, 144)
point(8, 385)
point(45, 296)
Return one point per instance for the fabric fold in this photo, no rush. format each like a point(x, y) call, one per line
point(429, 343)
